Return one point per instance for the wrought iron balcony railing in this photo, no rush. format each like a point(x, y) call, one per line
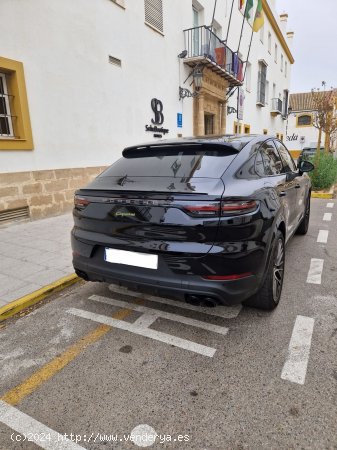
point(203, 46)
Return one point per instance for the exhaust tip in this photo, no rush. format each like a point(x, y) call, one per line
point(196, 300)
point(209, 302)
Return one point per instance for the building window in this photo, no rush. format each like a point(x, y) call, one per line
point(304, 120)
point(276, 51)
point(269, 42)
point(15, 129)
point(281, 63)
point(285, 103)
point(261, 83)
point(282, 137)
point(285, 69)
point(154, 14)
point(237, 128)
point(265, 131)
point(247, 129)
point(278, 135)
point(6, 125)
point(248, 76)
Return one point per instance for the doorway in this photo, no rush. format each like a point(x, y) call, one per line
point(209, 123)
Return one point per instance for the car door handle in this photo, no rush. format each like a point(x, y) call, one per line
point(282, 194)
point(297, 186)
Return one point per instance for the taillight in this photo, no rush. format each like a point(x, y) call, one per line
point(203, 210)
point(238, 207)
point(225, 208)
point(80, 202)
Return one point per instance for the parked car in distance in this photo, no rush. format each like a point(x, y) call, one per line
point(308, 153)
point(203, 219)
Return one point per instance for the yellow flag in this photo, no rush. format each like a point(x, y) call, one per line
point(259, 17)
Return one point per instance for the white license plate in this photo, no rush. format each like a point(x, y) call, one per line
point(131, 258)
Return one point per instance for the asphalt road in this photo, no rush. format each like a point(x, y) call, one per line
point(227, 378)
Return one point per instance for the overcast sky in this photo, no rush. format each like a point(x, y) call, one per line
point(315, 42)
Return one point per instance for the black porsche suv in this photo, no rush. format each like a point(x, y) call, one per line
point(205, 219)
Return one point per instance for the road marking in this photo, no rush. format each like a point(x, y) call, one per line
point(140, 330)
point(295, 368)
point(27, 426)
point(18, 393)
point(323, 236)
point(226, 312)
point(327, 217)
point(329, 205)
point(315, 271)
point(162, 314)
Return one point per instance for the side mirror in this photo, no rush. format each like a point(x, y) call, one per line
point(305, 166)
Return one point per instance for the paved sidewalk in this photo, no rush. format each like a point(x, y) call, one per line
point(33, 255)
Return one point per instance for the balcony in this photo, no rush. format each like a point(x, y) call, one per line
point(204, 48)
point(276, 107)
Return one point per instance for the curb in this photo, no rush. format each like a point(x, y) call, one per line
point(31, 299)
point(321, 195)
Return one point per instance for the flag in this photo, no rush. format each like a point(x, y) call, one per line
point(249, 6)
point(241, 4)
point(259, 17)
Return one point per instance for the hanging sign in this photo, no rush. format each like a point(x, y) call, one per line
point(241, 100)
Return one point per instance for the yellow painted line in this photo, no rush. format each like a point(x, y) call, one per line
point(326, 195)
point(31, 299)
point(18, 393)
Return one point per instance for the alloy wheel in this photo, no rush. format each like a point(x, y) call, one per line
point(278, 270)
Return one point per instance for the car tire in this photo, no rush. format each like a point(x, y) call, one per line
point(268, 296)
point(304, 224)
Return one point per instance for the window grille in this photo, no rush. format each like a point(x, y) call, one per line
point(154, 14)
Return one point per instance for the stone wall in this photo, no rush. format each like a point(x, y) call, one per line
point(45, 192)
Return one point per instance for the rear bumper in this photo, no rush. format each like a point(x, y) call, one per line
point(163, 281)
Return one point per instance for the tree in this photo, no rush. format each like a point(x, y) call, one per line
point(325, 120)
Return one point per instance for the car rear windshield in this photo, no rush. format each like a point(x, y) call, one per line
point(174, 162)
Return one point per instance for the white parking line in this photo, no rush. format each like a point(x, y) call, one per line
point(323, 236)
point(295, 367)
point(163, 314)
point(329, 205)
point(227, 312)
point(37, 432)
point(140, 330)
point(315, 271)
point(327, 217)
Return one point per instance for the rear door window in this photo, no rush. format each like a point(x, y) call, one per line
point(287, 161)
point(271, 160)
point(185, 163)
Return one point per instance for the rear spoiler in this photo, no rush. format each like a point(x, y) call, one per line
point(160, 149)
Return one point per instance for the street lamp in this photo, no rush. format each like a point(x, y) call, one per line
point(197, 78)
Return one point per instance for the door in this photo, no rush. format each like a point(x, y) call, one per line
point(196, 31)
point(296, 182)
point(273, 168)
point(209, 123)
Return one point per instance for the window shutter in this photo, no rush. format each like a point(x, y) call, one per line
point(154, 13)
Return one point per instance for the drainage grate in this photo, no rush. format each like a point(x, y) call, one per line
point(14, 214)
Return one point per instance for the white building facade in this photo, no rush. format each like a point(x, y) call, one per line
point(267, 79)
point(81, 80)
